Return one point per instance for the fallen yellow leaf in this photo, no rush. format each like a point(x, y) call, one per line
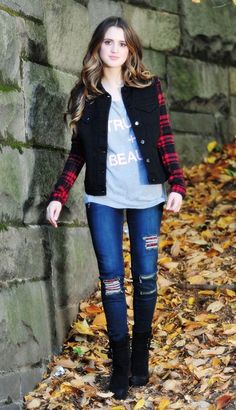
point(83, 328)
point(139, 404)
point(163, 404)
point(211, 145)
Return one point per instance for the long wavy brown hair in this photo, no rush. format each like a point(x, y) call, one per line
point(134, 72)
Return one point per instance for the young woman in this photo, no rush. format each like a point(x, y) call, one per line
point(121, 131)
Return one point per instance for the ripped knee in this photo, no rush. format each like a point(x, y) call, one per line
point(146, 284)
point(151, 241)
point(112, 286)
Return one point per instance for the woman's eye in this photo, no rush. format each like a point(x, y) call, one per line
point(109, 42)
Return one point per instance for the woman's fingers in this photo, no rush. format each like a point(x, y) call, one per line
point(53, 212)
point(174, 202)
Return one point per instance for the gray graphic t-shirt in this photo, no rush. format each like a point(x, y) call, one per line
point(126, 176)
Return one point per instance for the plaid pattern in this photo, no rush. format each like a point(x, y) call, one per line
point(72, 168)
point(165, 145)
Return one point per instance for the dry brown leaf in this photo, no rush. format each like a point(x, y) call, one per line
point(34, 404)
point(100, 320)
point(229, 328)
point(215, 306)
point(67, 363)
point(173, 385)
point(175, 249)
point(196, 280)
point(222, 401)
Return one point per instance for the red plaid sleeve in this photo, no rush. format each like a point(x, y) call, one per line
point(166, 146)
point(71, 170)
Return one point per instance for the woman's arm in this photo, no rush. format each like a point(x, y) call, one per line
point(166, 146)
point(71, 170)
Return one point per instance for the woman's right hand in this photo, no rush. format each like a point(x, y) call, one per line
point(53, 212)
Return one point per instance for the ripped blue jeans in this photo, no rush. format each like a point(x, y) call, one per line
point(106, 228)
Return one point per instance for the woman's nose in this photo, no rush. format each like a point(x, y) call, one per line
point(114, 48)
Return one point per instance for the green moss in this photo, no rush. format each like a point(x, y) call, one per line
point(10, 141)
point(3, 227)
point(9, 11)
point(18, 14)
point(6, 88)
point(185, 79)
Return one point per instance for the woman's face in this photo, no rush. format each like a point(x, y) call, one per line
point(114, 50)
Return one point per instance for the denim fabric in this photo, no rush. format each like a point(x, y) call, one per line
point(106, 228)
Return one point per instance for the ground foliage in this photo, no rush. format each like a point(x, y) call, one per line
point(192, 356)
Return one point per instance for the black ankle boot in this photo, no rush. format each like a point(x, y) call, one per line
point(139, 358)
point(120, 354)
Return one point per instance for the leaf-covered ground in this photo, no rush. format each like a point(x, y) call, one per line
point(193, 351)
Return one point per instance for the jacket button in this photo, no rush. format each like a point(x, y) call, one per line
point(108, 96)
point(142, 141)
point(103, 192)
point(102, 171)
point(136, 123)
point(147, 159)
point(103, 151)
point(153, 179)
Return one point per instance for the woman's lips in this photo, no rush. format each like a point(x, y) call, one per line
point(113, 58)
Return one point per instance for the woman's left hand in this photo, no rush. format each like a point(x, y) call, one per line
point(174, 202)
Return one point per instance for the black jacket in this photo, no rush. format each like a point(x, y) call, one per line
point(150, 121)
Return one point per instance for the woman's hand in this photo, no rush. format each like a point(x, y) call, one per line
point(53, 212)
point(174, 202)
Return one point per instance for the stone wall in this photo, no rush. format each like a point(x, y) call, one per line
point(45, 271)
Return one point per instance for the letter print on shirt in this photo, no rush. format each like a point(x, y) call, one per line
point(119, 157)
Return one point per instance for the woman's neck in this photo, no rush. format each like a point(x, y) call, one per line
point(112, 85)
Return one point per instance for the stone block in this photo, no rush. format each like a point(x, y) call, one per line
point(33, 40)
point(155, 62)
point(25, 325)
point(162, 5)
point(30, 378)
point(98, 10)
point(12, 115)
point(9, 387)
point(232, 80)
point(157, 30)
point(46, 91)
point(192, 83)
point(232, 127)
point(67, 28)
point(203, 19)
point(222, 132)
point(208, 31)
point(74, 266)
point(25, 252)
point(192, 148)
point(10, 48)
point(29, 8)
point(193, 123)
point(26, 181)
point(233, 106)
point(64, 317)
point(13, 406)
